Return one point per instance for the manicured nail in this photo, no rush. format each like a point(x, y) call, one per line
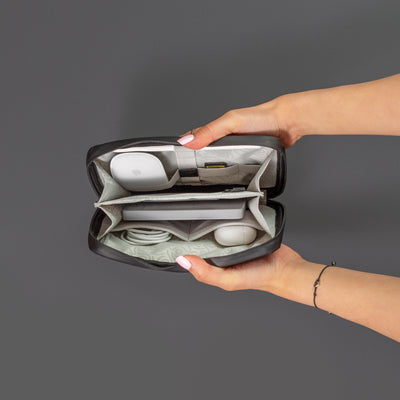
point(183, 262)
point(185, 139)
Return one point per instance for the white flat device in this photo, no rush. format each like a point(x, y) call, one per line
point(138, 171)
point(184, 210)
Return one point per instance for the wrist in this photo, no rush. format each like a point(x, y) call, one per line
point(296, 281)
point(290, 110)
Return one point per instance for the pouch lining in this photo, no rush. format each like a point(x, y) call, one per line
point(258, 166)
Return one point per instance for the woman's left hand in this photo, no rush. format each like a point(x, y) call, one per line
point(266, 273)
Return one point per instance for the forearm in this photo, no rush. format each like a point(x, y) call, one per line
point(371, 108)
point(368, 299)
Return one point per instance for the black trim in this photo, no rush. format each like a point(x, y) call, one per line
point(281, 175)
point(94, 179)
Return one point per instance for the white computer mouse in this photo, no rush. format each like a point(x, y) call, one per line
point(138, 171)
point(235, 235)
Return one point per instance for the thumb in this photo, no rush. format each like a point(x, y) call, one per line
point(220, 127)
point(225, 278)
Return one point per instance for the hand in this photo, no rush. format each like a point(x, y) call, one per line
point(267, 273)
point(264, 273)
point(271, 118)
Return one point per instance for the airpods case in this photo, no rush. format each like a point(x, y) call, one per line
point(251, 168)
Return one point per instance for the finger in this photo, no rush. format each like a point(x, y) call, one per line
point(192, 131)
point(226, 124)
point(225, 278)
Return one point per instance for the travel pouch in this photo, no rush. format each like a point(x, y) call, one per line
point(252, 168)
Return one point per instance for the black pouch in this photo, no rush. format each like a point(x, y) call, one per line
point(236, 166)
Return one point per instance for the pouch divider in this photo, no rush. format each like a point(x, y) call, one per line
point(189, 230)
point(113, 208)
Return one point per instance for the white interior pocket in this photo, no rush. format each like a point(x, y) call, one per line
point(254, 184)
point(241, 163)
point(111, 189)
point(238, 174)
point(189, 230)
point(189, 237)
point(113, 208)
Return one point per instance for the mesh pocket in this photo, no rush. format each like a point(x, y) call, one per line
point(238, 174)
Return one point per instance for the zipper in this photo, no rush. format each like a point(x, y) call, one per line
point(264, 198)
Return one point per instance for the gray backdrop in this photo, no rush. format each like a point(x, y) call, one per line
point(78, 73)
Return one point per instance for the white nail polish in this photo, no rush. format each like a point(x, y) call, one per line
point(183, 262)
point(185, 139)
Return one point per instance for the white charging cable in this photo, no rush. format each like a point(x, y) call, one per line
point(144, 236)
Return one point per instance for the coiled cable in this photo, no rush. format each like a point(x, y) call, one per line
point(144, 236)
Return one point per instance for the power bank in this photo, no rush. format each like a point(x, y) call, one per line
point(185, 210)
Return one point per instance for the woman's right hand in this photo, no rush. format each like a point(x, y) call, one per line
point(271, 118)
point(370, 108)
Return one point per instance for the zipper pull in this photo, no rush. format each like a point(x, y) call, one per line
point(264, 196)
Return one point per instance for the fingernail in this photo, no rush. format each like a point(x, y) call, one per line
point(185, 139)
point(183, 262)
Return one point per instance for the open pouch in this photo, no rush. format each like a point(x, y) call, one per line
point(250, 168)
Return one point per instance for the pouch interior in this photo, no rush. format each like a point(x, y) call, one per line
point(248, 169)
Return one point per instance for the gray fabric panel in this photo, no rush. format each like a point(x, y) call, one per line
point(112, 190)
point(239, 174)
point(268, 178)
point(113, 208)
point(189, 230)
point(254, 207)
point(112, 219)
point(232, 155)
point(254, 185)
point(181, 197)
point(168, 251)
